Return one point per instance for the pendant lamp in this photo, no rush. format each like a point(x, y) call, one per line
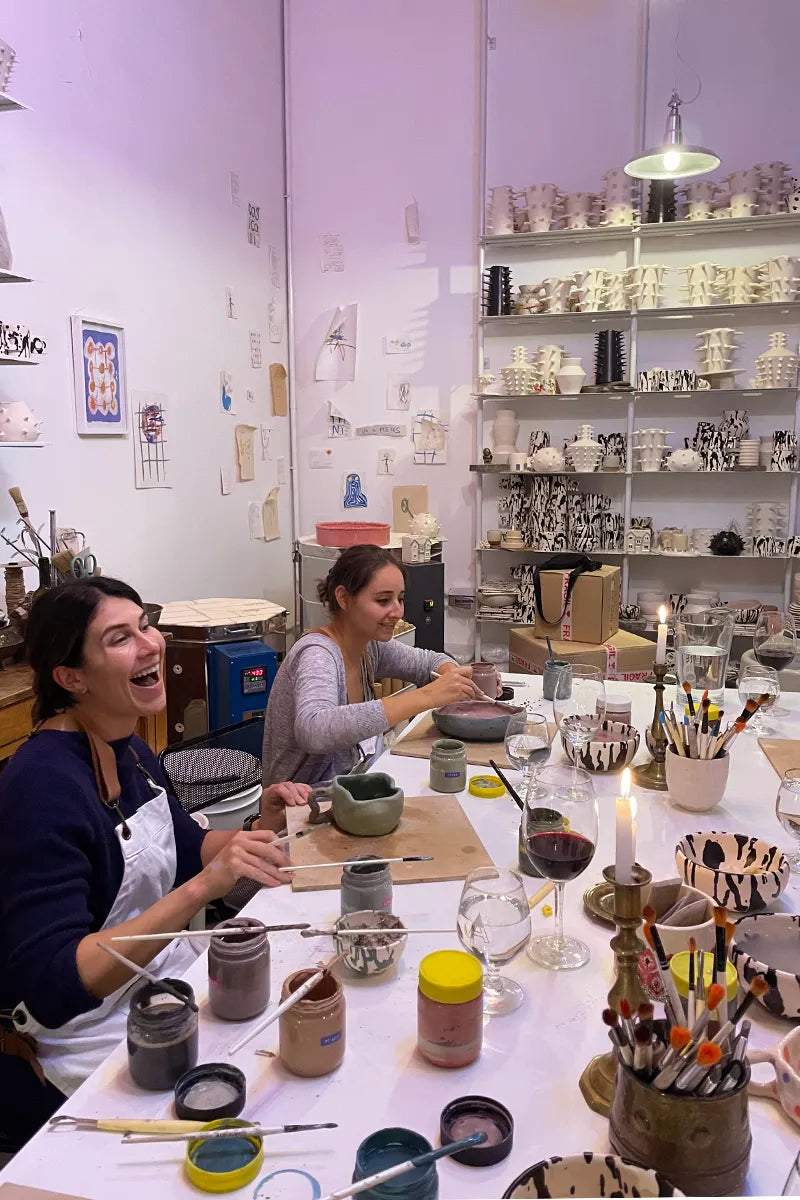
point(673, 159)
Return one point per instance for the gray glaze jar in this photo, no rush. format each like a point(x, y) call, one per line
point(448, 765)
point(162, 1036)
point(552, 673)
point(366, 884)
point(238, 971)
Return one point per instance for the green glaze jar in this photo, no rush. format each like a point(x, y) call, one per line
point(448, 765)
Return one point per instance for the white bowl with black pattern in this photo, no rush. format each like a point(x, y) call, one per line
point(768, 944)
point(741, 873)
point(613, 747)
point(588, 1175)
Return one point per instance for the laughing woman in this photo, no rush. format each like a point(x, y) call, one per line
point(322, 714)
point(91, 845)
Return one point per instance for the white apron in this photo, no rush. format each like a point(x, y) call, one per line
point(69, 1054)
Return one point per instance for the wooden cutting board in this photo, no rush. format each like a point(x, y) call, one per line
point(783, 753)
point(19, 1191)
point(418, 742)
point(434, 825)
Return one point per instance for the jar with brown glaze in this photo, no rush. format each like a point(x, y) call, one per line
point(450, 1008)
point(312, 1032)
point(238, 970)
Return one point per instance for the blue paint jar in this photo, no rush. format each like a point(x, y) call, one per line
point(388, 1147)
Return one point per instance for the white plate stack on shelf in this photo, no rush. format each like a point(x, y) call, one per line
point(543, 202)
point(747, 459)
point(716, 350)
point(774, 185)
point(645, 284)
point(619, 198)
point(520, 377)
point(781, 276)
point(649, 448)
point(547, 363)
point(497, 599)
point(776, 367)
point(794, 607)
point(700, 284)
point(741, 285)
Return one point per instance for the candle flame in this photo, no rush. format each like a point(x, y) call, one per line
point(662, 614)
point(625, 788)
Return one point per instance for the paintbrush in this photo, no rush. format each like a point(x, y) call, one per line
point(626, 1019)
point(687, 687)
point(679, 1038)
point(708, 1055)
point(138, 1139)
point(550, 654)
point(672, 1001)
point(420, 1160)
point(758, 987)
point(289, 1002)
point(701, 983)
point(643, 1049)
point(307, 933)
point(351, 861)
point(22, 508)
point(479, 695)
point(674, 736)
point(611, 1019)
point(670, 1071)
point(512, 793)
point(232, 932)
point(162, 984)
point(542, 894)
point(290, 837)
point(691, 1006)
point(720, 958)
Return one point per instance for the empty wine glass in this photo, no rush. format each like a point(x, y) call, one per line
point(775, 640)
point(787, 810)
point(560, 853)
point(494, 924)
point(756, 681)
point(580, 713)
point(527, 743)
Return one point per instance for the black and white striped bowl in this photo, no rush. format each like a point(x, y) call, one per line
point(741, 873)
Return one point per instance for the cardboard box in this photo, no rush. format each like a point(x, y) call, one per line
point(592, 613)
point(623, 656)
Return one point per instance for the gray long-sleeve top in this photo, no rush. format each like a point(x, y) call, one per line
point(310, 731)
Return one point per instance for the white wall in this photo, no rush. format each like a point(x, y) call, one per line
point(116, 193)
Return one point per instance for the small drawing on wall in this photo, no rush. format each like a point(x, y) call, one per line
point(150, 462)
point(230, 304)
point(338, 424)
point(386, 461)
point(398, 394)
point(430, 439)
point(337, 357)
point(353, 495)
point(254, 224)
point(256, 361)
point(98, 362)
point(226, 391)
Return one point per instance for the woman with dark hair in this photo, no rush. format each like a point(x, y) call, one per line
point(322, 714)
point(92, 846)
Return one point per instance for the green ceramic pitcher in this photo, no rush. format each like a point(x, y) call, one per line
point(368, 805)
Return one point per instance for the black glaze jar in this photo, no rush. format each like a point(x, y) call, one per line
point(162, 1036)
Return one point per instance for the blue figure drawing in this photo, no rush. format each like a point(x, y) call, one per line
point(353, 495)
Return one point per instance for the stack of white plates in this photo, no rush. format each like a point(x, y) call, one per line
point(748, 452)
point(230, 813)
point(794, 610)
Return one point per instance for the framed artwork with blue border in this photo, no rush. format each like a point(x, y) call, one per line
point(99, 371)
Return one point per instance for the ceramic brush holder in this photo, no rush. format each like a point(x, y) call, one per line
point(609, 357)
point(497, 292)
point(661, 201)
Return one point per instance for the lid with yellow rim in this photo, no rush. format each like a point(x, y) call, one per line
point(224, 1164)
point(450, 977)
point(713, 712)
point(486, 786)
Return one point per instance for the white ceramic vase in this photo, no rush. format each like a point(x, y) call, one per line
point(504, 434)
point(571, 377)
point(18, 423)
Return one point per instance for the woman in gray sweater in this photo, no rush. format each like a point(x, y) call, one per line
point(321, 707)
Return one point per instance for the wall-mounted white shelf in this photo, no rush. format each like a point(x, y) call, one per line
point(8, 360)
point(9, 104)
point(12, 277)
point(648, 318)
point(561, 237)
point(567, 320)
point(577, 238)
point(653, 555)
point(626, 393)
point(22, 445)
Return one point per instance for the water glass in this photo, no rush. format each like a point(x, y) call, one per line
point(580, 715)
point(756, 681)
point(702, 648)
point(527, 742)
point(787, 810)
point(494, 924)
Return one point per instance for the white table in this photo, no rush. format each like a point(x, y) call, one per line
point(531, 1059)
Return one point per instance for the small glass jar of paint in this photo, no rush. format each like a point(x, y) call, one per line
point(366, 884)
point(617, 708)
point(450, 1008)
point(388, 1147)
point(238, 970)
point(311, 1037)
point(162, 1036)
point(448, 764)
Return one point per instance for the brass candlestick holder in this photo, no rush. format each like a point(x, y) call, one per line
point(599, 1077)
point(654, 774)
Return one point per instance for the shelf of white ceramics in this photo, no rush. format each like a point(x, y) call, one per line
point(665, 474)
point(501, 469)
point(533, 550)
point(22, 445)
point(651, 318)
point(12, 277)
point(619, 394)
point(561, 237)
point(719, 228)
point(690, 554)
point(8, 360)
point(9, 104)
point(570, 320)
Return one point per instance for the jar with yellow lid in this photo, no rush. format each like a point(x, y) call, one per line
point(450, 1008)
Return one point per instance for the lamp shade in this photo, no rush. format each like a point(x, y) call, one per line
point(673, 159)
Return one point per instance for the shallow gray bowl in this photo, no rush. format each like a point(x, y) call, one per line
point(456, 721)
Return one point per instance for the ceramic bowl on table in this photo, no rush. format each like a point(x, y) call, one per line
point(372, 953)
point(612, 748)
point(741, 873)
point(768, 944)
point(474, 720)
point(588, 1174)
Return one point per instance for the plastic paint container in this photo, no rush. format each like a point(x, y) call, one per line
point(388, 1147)
point(210, 1092)
point(487, 787)
point(224, 1164)
point(238, 971)
point(162, 1036)
point(366, 884)
point(478, 1114)
point(450, 1008)
point(679, 966)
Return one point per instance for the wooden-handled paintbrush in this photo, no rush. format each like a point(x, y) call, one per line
point(720, 957)
point(672, 1000)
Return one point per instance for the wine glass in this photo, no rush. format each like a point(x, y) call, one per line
point(560, 853)
point(580, 712)
point(494, 924)
point(527, 743)
point(787, 810)
point(755, 681)
point(775, 639)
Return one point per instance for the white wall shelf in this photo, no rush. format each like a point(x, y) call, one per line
point(648, 318)
point(9, 104)
point(577, 238)
point(566, 320)
point(12, 277)
point(7, 360)
point(22, 445)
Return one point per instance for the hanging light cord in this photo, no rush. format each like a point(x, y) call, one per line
point(680, 14)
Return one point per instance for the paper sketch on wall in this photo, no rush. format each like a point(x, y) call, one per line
point(254, 224)
point(98, 362)
point(353, 495)
point(256, 361)
point(235, 190)
point(331, 252)
point(275, 321)
point(245, 451)
point(150, 462)
point(266, 434)
point(269, 516)
point(337, 357)
point(430, 439)
point(226, 391)
point(386, 461)
point(230, 304)
point(398, 395)
point(338, 424)
point(275, 267)
point(385, 430)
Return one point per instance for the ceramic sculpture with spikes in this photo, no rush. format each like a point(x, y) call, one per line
point(520, 377)
point(776, 367)
point(18, 423)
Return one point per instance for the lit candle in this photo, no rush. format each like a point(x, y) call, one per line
point(661, 644)
point(626, 832)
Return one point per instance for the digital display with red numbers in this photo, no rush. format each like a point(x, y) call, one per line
point(254, 679)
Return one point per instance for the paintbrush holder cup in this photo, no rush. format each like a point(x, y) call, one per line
point(696, 784)
point(700, 1143)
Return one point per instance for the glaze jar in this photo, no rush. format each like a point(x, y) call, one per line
point(388, 1147)
point(312, 1032)
point(162, 1036)
point(448, 763)
point(450, 1008)
point(540, 820)
point(366, 884)
point(238, 971)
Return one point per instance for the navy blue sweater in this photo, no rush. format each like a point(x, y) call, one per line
point(61, 865)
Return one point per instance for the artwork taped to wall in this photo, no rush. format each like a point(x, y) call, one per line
point(398, 394)
point(386, 462)
point(245, 451)
point(385, 430)
point(235, 193)
point(430, 439)
point(332, 252)
point(407, 502)
point(337, 357)
point(98, 367)
point(269, 513)
point(275, 267)
point(151, 432)
point(230, 304)
point(256, 361)
point(275, 321)
point(254, 224)
point(353, 495)
point(277, 383)
point(338, 424)
point(266, 434)
point(226, 391)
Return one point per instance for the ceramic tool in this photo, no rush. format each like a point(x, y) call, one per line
point(512, 793)
point(228, 932)
point(542, 894)
point(420, 1160)
point(126, 1125)
point(289, 1002)
point(720, 956)
point(400, 931)
point(234, 1131)
point(349, 862)
point(161, 984)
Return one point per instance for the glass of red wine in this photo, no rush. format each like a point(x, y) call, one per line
point(560, 853)
point(775, 639)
